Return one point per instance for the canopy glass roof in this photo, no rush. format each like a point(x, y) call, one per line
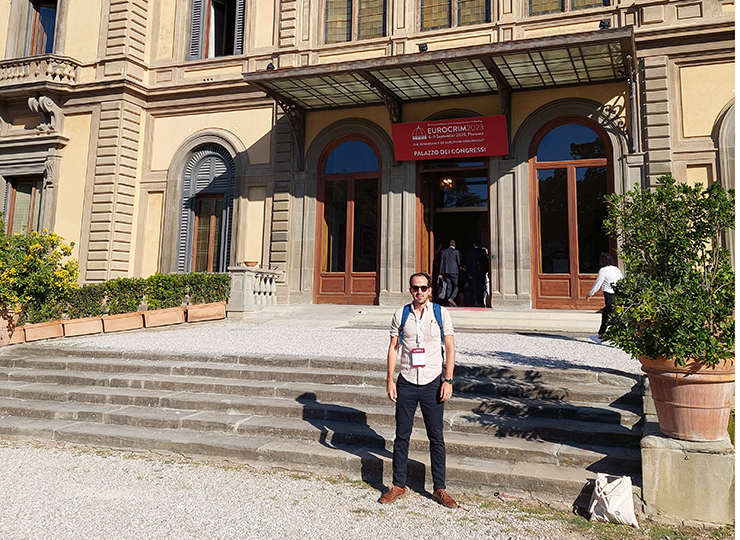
point(583, 58)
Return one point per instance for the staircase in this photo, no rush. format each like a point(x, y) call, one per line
point(525, 432)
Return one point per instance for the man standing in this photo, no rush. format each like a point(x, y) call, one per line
point(420, 383)
point(477, 266)
point(449, 269)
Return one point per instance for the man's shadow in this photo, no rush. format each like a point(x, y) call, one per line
point(346, 428)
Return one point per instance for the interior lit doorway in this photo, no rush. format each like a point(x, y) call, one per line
point(453, 205)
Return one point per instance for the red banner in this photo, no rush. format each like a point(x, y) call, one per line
point(446, 139)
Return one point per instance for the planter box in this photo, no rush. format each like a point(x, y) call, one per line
point(83, 327)
point(164, 317)
point(207, 312)
point(44, 330)
point(123, 321)
point(19, 336)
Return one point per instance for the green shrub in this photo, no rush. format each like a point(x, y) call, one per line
point(677, 297)
point(35, 279)
point(207, 288)
point(87, 301)
point(165, 291)
point(124, 295)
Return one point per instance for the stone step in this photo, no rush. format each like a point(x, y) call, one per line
point(208, 378)
point(308, 409)
point(28, 356)
point(596, 458)
point(544, 481)
point(625, 414)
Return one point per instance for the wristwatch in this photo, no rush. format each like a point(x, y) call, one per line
point(447, 380)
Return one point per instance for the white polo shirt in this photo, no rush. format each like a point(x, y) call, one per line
point(422, 333)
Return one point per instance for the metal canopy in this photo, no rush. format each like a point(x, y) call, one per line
point(547, 62)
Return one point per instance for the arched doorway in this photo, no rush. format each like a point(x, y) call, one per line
point(348, 203)
point(570, 175)
point(204, 239)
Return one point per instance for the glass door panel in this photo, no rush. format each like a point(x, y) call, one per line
point(552, 187)
point(365, 247)
point(591, 188)
point(335, 226)
point(207, 243)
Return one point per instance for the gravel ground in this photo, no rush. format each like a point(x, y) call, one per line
point(239, 337)
point(68, 494)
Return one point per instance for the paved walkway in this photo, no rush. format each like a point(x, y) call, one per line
point(362, 332)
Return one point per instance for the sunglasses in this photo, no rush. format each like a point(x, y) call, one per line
point(422, 288)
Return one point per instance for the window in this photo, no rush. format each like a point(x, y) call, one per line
point(24, 205)
point(347, 20)
point(207, 253)
point(540, 7)
point(42, 24)
point(216, 29)
point(450, 13)
point(205, 211)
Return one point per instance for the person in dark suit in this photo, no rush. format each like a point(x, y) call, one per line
point(449, 269)
point(477, 265)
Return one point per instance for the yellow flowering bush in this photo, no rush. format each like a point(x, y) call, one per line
point(37, 276)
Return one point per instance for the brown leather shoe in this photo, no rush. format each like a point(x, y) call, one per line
point(442, 497)
point(392, 494)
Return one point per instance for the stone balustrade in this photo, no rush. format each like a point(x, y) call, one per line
point(49, 68)
point(252, 288)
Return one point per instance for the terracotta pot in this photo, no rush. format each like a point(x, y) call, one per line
point(83, 327)
point(44, 330)
point(123, 321)
point(164, 317)
point(207, 312)
point(693, 402)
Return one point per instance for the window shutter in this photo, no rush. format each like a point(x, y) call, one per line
point(195, 51)
point(239, 28)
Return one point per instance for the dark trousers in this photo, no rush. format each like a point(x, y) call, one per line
point(608, 308)
point(432, 410)
point(451, 280)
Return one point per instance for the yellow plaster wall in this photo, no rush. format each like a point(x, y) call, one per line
point(155, 205)
point(253, 127)
point(699, 174)
point(264, 24)
point(315, 122)
point(561, 29)
point(166, 37)
point(83, 29)
point(525, 103)
point(4, 19)
point(255, 223)
point(705, 90)
point(72, 180)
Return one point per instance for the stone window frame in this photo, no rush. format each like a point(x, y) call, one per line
point(197, 29)
point(234, 148)
point(20, 33)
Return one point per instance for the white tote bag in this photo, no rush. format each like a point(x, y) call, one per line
point(612, 500)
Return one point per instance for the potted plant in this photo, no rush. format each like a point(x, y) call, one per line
point(674, 308)
point(207, 295)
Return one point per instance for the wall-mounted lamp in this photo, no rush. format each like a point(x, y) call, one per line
point(423, 47)
point(446, 182)
point(270, 66)
point(604, 24)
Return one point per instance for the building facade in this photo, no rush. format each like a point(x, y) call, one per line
point(194, 135)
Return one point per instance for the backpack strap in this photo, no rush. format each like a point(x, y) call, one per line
point(438, 315)
point(436, 308)
point(404, 318)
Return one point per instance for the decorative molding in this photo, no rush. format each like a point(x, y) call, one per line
point(49, 68)
point(49, 112)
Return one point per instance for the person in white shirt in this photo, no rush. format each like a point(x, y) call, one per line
point(608, 275)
